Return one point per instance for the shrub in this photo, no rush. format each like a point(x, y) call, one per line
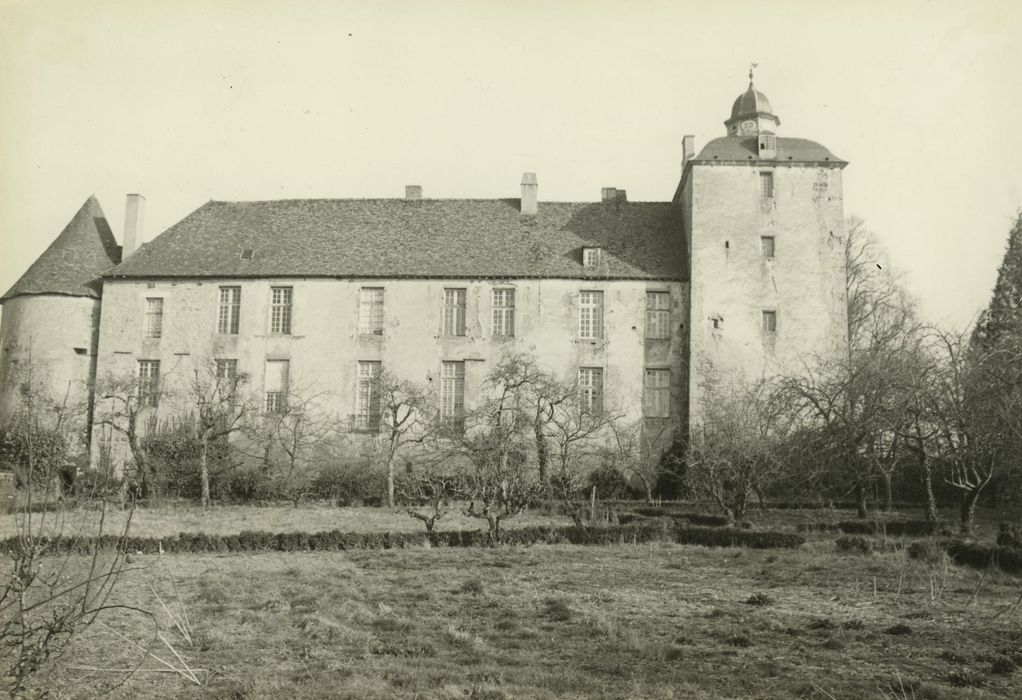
point(980, 556)
point(609, 482)
point(1010, 535)
point(94, 483)
point(349, 484)
point(760, 599)
point(929, 550)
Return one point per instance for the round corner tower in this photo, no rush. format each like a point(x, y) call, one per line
point(764, 227)
point(49, 326)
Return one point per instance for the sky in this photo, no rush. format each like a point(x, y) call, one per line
point(195, 100)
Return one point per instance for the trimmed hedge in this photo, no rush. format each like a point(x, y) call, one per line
point(659, 512)
point(335, 540)
point(974, 554)
point(892, 528)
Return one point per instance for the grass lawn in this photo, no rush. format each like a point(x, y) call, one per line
point(648, 621)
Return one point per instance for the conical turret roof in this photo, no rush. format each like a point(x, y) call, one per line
point(74, 261)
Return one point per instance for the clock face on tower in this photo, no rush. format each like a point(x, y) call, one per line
point(748, 127)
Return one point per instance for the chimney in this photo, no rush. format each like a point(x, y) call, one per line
point(134, 213)
point(530, 194)
point(688, 150)
point(608, 194)
point(622, 196)
point(413, 191)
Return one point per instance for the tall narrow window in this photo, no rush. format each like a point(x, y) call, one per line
point(452, 394)
point(148, 382)
point(370, 311)
point(658, 315)
point(153, 317)
point(657, 398)
point(590, 315)
point(276, 381)
point(367, 402)
point(590, 389)
point(766, 244)
point(504, 312)
point(229, 311)
point(769, 321)
point(227, 379)
point(766, 185)
point(280, 310)
point(454, 312)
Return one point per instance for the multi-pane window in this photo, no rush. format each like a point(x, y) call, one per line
point(766, 244)
point(276, 381)
point(590, 257)
point(766, 185)
point(454, 312)
point(367, 400)
point(657, 393)
point(370, 311)
point(229, 311)
point(590, 389)
point(227, 378)
point(770, 321)
point(452, 393)
point(280, 310)
point(590, 315)
point(658, 315)
point(504, 312)
point(148, 382)
point(153, 317)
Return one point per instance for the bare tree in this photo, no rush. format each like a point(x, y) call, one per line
point(295, 432)
point(128, 406)
point(402, 408)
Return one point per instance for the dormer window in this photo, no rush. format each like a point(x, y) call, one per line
point(591, 257)
point(247, 253)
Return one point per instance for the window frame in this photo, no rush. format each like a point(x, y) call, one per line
point(656, 395)
point(590, 390)
point(228, 320)
point(766, 184)
point(454, 311)
point(590, 314)
point(152, 328)
point(592, 256)
point(768, 242)
point(502, 318)
point(148, 383)
point(452, 393)
point(282, 324)
point(769, 320)
point(275, 402)
point(368, 416)
point(370, 310)
point(658, 315)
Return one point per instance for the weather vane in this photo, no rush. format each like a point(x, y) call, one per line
point(752, 67)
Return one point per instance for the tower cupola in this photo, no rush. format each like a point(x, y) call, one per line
point(751, 113)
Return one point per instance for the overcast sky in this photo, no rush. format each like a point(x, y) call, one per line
point(192, 100)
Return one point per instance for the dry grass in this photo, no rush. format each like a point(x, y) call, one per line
point(657, 621)
point(167, 521)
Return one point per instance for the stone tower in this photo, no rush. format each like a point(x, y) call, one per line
point(50, 323)
point(763, 222)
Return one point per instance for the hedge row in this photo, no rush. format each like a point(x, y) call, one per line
point(893, 528)
point(335, 540)
point(693, 518)
point(981, 556)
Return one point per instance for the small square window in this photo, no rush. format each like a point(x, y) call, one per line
point(767, 246)
point(769, 321)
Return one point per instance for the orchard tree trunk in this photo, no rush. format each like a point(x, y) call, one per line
point(888, 491)
point(968, 510)
point(931, 501)
point(204, 473)
point(860, 499)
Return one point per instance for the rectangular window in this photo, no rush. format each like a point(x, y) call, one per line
point(769, 321)
point(227, 378)
point(367, 401)
point(766, 185)
point(276, 381)
point(280, 310)
point(153, 317)
point(590, 257)
point(148, 382)
point(230, 310)
point(590, 315)
point(766, 244)
point(370, 311)
point(452, 394)
point(504, 312)
point(590, 389)
point(657, 399)
point(454, 312)
point(658, 315)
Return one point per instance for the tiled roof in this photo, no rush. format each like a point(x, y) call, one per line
point(74, 261)
point(739, 148)
point(414, 238)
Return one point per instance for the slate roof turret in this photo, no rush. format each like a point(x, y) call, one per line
point(73, 263)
